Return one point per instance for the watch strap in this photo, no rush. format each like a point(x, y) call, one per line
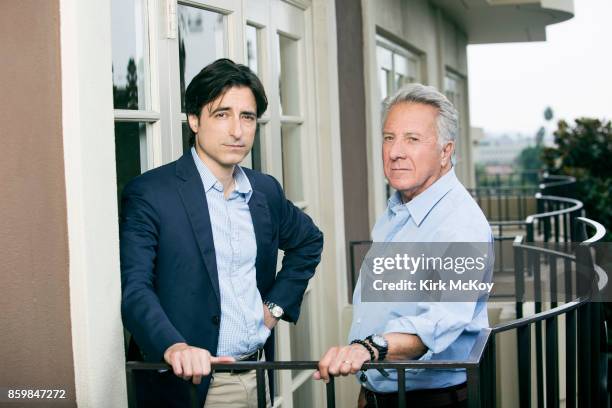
point(382, 351)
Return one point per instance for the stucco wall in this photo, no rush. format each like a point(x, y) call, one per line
point(352, 121)
point(34, 295)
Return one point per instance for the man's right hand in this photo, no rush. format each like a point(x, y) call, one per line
point(191, 362)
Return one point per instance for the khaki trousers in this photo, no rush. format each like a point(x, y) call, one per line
point(235, 391)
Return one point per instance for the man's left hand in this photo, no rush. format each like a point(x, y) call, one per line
point(269, 320)
point(341, 361)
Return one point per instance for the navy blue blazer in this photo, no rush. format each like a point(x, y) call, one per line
point(170, 285)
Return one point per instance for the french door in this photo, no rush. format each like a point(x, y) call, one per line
point(158, 47)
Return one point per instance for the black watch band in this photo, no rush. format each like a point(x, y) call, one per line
point(382, 351)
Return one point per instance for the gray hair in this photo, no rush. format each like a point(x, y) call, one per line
point(447, 120)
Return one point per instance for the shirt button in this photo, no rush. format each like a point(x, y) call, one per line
point(216, 320)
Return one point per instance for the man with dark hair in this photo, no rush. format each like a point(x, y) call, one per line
point(199, 244)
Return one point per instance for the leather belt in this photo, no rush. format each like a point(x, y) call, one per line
point(256, 356)
point(435, 397)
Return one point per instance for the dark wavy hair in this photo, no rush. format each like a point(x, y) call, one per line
point(216, 79)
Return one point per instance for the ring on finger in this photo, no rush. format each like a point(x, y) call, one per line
point(347, 362)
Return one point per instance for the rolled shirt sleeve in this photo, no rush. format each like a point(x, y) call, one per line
point(438, 325)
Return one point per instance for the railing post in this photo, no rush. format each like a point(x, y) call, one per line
point(473, 384)
point(331, 393)
point(524, 364)
point(570, 359)
point(131, 393)
point(584, 356)
point(492, 373)
point(537, 289)
point(193, 397)
point(552, 364)
point(260, 376)
point(519, 280)
point(401, 388)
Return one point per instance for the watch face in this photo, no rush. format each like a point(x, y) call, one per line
point(277, 311)
point(379, 340)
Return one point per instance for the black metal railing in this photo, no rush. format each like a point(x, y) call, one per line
point(583, 337)
point(479, 366)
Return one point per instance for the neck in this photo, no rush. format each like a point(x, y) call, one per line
point(410, 194)
point(225, 174)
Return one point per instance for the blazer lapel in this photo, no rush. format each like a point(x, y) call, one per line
point(262, 224)
point(194, 200)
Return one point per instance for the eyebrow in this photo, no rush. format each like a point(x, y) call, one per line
point(403, 134)
point(227, 108)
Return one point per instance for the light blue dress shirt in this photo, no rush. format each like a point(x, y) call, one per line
point(444, 212)
point(242, 330)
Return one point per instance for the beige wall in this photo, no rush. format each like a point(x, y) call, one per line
point(34, 296)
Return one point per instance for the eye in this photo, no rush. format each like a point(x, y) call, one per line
point(387, 138)
point(250, 118)
point(221, 115)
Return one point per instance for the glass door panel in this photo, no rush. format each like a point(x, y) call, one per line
point(129, 54)
point(202, 38)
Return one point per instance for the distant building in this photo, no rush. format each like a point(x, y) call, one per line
point(500, 150)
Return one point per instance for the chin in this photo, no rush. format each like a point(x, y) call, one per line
point(233, 160)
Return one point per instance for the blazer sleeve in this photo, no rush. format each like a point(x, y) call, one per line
point(302, 244)
point(141, 310)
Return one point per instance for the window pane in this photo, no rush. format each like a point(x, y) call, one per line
point(384, 58)
point(257, 148)
point(252, 49)
point(288, 76)
point(300, 336)
point(202, 39)
point(186, 137)
point(383, 81)
point(399, 81)
point(292, 161)
point(130, 142)
point(401, 64)
point(128, 50)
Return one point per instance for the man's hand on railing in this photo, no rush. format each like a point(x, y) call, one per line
point(341, 361)
point(190, 362)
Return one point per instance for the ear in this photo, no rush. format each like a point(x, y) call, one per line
point(194, 122)
point(447, 152)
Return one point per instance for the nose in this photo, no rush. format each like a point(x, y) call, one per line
point(397, 150)
point(236, 128)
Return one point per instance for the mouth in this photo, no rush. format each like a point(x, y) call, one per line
point(234, 146)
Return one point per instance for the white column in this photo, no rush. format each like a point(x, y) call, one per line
point(89, 156)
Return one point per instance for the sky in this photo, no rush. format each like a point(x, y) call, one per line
point(510, 85)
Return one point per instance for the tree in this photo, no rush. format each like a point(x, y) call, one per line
point(132, 85)
point(584, 151)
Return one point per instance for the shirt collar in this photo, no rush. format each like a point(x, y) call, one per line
point(241, 181)
point(422, 204)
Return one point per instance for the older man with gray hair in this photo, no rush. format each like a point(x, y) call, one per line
point(419, 132)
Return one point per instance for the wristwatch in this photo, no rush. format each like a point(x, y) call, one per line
point(275, 310)
point(380, 344)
